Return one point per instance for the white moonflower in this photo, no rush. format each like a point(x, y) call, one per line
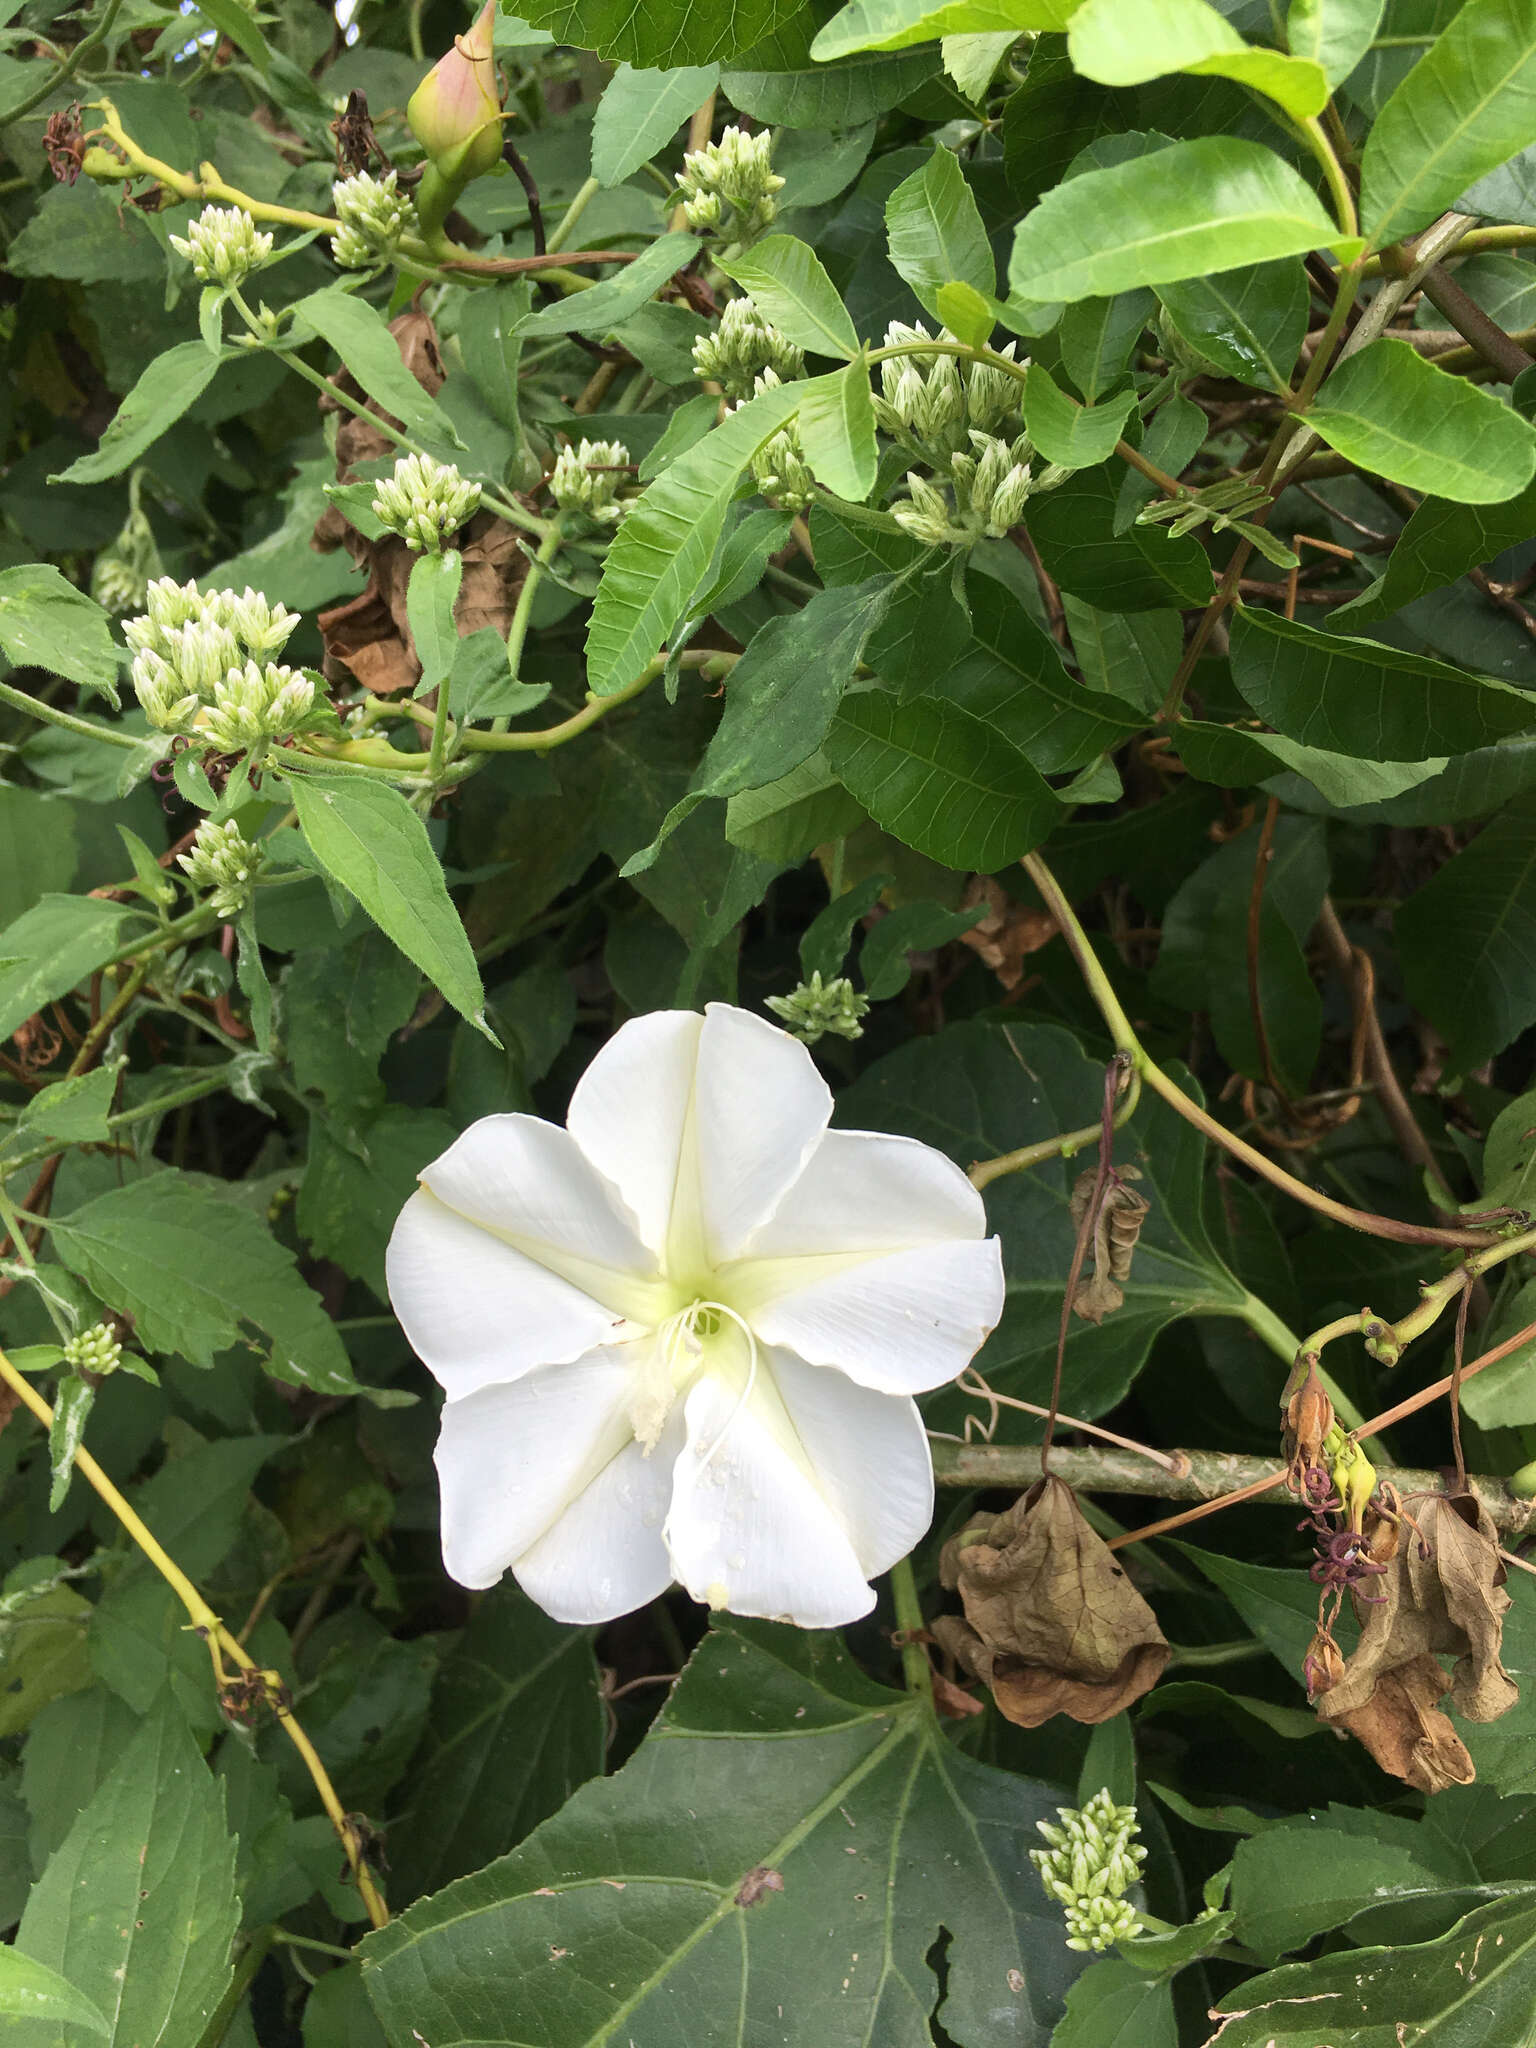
point(680, 1338)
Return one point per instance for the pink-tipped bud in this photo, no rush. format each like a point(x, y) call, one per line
point(455, 112)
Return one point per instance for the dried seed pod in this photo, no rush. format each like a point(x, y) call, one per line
point(1323, 1665)
point(1116, 1228)
point(1308, 1419)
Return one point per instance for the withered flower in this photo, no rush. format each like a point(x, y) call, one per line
point(1116, 1228)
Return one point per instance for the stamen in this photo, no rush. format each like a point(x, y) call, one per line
point(719, 1308)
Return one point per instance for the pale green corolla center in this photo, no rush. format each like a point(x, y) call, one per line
point(701, 1337)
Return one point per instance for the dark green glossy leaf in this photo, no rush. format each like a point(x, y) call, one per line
point(1468, 940)
point(672, 32)
point(1392, 411)
point(1440, 542)
point(780, 1795)
point(1142, 570)
point(1250, 323)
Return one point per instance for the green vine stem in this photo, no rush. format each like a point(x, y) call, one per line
point(221, 1644)
point(909, 1631)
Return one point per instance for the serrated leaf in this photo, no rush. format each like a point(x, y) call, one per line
point(780, 1794)
point(193, 1268)
point(31, 1991)
point(1076, 436)
point(1113, 2005)
point(665, 33)
point(137, 1908)
point(1184, 211)
point(1467, 105)
point(782, 82)
point(370, 840)
point(1120, 48)
point(361, 337)
point(1359, 697)
point(607, 305)
point(790, 287)
point(1393, 412)
point(50, 948)
point(46, 623)
point(640, 112)
point(943, 782)
point(935, 231)
point(171, 383)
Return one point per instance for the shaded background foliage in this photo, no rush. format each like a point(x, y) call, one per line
point(1301, 831)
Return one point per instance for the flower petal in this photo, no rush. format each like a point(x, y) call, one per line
point(900, 1324)
point(518, 1467)
point(870, 1455)
point(863, 1191)
point(475, 1311)
point(629, 1108)
point(760, 1109)
point(529, 1183)
point(750, 1529)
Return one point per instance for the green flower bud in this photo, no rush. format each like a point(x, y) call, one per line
point(814, 1009)
point(742, 348)
point(924, 513)
point(94, 1350)
point(727, 187)
point(425, 502)
point(256, 702)
point(373, 214)
point(223, 246)
point(223, 861)
point(585, 480)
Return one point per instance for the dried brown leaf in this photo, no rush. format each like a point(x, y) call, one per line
point(1052, 1623)
point(1009, 932)
point(1116, 1229)
point(1403, 1728)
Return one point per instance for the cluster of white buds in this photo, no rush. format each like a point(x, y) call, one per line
point(95, 1351)
point(779, 467)
point(121, 573)
point(728, 186)
point(425, 502)
point(1093, 1861)
point(586, 478)
point(742, 348)
point(987, 495)
point(202, 666)
point(374, 213)
point(932, 403)
point(223, 246)
point(222, 860)
point(816, 1008)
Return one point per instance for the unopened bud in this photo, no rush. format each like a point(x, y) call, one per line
point(425, 502)
point(223, 861)
point(742, 348)
point(814, 1009)
point(585, 480)
point(925, 514)
point(727, 187)
point(95, 1350)
point(455, 112)
point(223, 246)
point(373, 214)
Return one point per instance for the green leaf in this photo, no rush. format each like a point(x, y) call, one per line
point(780, 699)
point(1304, 1877)
point(640, 112)
point(1013, 677)
point(666, 33)
point(943, 782)
point(667, 540)
point(1481, 1976)
point(1051, 119)
point(1113, 2005)
point(137, 1908)
point(516, 1725)
point(783, 820)
point(789, 287)
point(836, 425)
point(1279, 1606)
point(1333, 33)
point(1250, 323)
point(1118, 48)
point(1231, 756)
point(1467, 105)
point(1141, 570)
point(356, 1182)
point(1130, 657)
point(884, 963)
point(780, 1794)
point(42, 1650)
point(31, 1991)
point(193, 1268)
point(430, 597)
point(1076, 436)
point(935, 231)
point(781, 82)
point(196, 1501)
point(1504, 1395)
point(1468, 940)
point(369, 839)
point(290, 86)
point(1392, 411)
point(361, 337)
point(162, 394)
point(1441, 541)
point(46, 623)
point(50, 948)
point(978, 1090)
point(896, 24)
point(1359, 697)
point(605, 306)
point(1184, 211)
point(968, 315)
